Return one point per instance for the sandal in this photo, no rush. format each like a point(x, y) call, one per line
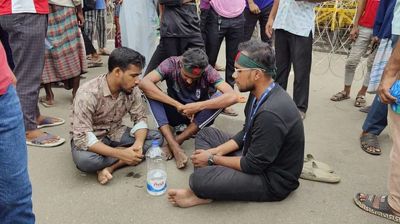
point(384, 210)
point(340, 96)
point(41, 141)
point(48, 122)
point(370, 144)
point(360, 101)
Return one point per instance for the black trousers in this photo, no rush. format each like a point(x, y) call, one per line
point(173, 46)
point(222, 183)
point(88, 44)
point(6, 45)
point(217, 28)
point(251, 22)
point(297, 50)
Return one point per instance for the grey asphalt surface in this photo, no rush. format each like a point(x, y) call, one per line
point(63, 194)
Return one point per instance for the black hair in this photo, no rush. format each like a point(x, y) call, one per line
point(123, 57)
point(195, 57)
point(260, 52)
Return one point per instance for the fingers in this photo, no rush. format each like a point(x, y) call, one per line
point(386, 97)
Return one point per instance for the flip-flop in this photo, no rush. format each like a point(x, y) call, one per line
point(229, 112)
point(39, 141)
point(315, 173)
point(47, 122)
point(308, 159)
point(384, 210)
point(43, 101)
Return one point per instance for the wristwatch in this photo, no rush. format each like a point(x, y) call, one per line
point(210, 160)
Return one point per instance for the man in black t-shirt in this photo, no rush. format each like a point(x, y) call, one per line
point(263, 162)
point(179, 30)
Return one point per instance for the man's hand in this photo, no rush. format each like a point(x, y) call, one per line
point(384, 94)
point(200, 158)
point(13, 79)
point(254, 8)
point(81, 18)
point(191, 109)
point(130, 157)
point(118, 2)
point(354, 33)
point(268, 27)
point(137, 147)
point(375, 41)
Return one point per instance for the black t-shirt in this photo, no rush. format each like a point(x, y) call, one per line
point(274, 147)
point(179, 20)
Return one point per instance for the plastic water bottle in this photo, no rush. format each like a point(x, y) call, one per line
point(156, 170)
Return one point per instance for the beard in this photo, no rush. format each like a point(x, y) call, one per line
point(126, 91)
point(246, 88)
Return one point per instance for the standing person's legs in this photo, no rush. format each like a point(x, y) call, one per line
point(15, 186)
point(359, 47)
point(394, 167)
point(90, 24)
point(376, 119)
point(27, 34)
point(101, 30)
point(6, 45)
point(263, 19)
point(233, 37)
point(374, 124)
point(165, 49)
point(250, 24)
point(283, 57)
point(215, 35)
point(301, 53)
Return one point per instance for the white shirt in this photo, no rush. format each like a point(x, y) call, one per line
point(296, 17)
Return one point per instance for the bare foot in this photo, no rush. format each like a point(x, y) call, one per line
point(104, 176)
point(185, 198)
point(181, 158)
point(167, 152)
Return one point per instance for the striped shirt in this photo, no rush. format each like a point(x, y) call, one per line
point(23, 6)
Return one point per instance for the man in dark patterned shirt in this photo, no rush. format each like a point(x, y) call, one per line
point(193, 98)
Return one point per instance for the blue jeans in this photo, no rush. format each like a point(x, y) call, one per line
point(376, 120)
point(15, 186)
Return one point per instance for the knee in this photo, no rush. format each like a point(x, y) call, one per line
point(203, 134)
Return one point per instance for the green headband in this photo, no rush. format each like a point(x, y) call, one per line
point(245, 61)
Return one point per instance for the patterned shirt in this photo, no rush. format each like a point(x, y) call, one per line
point(296, 17)
point(180, 90)
point(95, 110)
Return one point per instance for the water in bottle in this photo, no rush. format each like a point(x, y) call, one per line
point(156, 170)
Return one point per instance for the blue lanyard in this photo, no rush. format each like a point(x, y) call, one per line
point(253, 110)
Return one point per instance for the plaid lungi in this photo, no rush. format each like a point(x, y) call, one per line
point(65, 56)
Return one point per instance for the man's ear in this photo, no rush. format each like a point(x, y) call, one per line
point(117, 72)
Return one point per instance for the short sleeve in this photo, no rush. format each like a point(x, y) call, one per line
point(213, 76)
point(167, 68)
